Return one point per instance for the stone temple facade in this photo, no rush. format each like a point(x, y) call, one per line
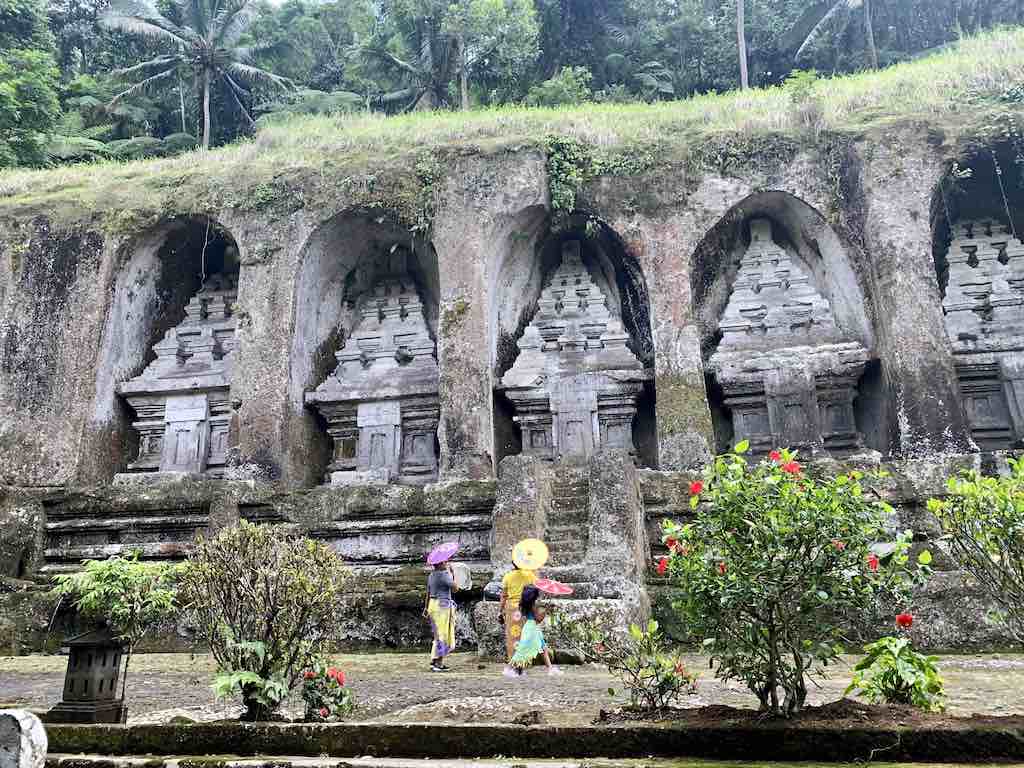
point(575, 382)
point(380, 403)
point(181, 399)
point(788, 372)
point(506, 371)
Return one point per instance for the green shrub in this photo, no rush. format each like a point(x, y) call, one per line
point(177, 143)
point(771, 564)
point(129, 596)
point(570, 86)
point(136, 149)
point(895, 673)
point(264, 602)
point(982, 521)
point(653, 674)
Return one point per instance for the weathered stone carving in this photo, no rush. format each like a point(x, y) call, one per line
point(381, 403)
point(788, 372)
point(181, 399)
point(575, 382)
point(984, 308)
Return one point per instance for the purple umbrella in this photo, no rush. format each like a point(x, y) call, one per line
point(442, 552)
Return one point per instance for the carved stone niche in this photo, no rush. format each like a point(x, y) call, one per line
point(984, 309)
point(788, 374)
point(575, 383)
point(181, 400)
point(381, 403)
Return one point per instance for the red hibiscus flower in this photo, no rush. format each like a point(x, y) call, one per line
point(873, 562)
point(839, 545)
point(904, 620)
point(333, 673)
point(775, 456)
point(696, 487)
point(722, 569)
point(662, 566)
point(671, 543)
point(309, 674)
point(791, 467)
point(340, 677)
point(324, 712)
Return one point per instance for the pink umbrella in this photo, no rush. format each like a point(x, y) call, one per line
point(442, 552)
point(551, 587)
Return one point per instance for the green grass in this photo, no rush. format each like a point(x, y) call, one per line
point(953, 90)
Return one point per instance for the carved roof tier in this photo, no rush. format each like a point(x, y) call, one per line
point(984, 302)
point(572, 332)
point(198, 353)
point(390, 353)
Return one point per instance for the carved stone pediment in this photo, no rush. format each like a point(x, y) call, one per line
point(575, 382)
point(181, 399)
point(381, 403)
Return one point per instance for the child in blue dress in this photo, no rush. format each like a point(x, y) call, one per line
point(531, 643)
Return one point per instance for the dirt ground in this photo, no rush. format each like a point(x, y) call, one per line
point(400, 688)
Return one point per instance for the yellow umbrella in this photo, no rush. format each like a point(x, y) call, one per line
point(530, 554)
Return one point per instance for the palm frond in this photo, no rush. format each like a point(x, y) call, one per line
point(147, 27)
point(254, 75)
point(232, 21)
point(235, 90)
point(158, 63)
point(144, 86)
point(824, 22)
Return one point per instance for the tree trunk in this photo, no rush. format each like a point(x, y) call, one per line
point(181, 100)
point(206, 109)
point(463, 73)
point(741, 41)
point(869, 36)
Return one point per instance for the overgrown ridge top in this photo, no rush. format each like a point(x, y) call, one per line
point(293, 163)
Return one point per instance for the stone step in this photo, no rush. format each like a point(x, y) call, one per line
point(570, 502)
point(290, 761)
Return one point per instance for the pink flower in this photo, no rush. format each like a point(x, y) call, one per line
point(340, 677)
point(904, 620)
point(324, 712)
point(839, 545)
point(722, 569)
point(873, 562)
point(775, 456)
point(309, 674)
point(791, 467)
point(696, 487)
point(662, 566)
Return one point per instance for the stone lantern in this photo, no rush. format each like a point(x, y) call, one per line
point(91, 692)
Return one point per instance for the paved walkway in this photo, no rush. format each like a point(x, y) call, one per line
point(399, 687)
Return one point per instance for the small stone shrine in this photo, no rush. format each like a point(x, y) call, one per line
point(181, 400)
point(91, 686)
point(575, 382)
point(788, 373)
point(984, 309)
point(381, 403)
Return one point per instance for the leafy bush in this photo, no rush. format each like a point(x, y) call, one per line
point(325, 695)
point(895, 673)
point(569, 87)
point(772, 562)
point(128, 596)
point(177, 143)
point(137, 148)
point(983, 522)
point(654, 675)
point(264, 602)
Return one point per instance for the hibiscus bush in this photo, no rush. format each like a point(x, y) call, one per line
point(773, 565)
point(265, 603)
point(982, 520)
point(325, 695)
point(654, 674)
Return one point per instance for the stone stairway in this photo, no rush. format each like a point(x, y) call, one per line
point(568, 519)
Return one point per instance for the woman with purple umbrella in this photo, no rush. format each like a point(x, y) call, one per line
point(440, 608)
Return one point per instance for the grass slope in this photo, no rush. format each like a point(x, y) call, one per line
point(956, 90)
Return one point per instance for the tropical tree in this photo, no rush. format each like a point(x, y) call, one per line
point(818, 17)
point(204, 44)
point(741, 42)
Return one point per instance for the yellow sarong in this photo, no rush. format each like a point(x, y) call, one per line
point(442, 622)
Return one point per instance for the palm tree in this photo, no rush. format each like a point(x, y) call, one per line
point(818, 16)
point(741, 41)
point(205, 43)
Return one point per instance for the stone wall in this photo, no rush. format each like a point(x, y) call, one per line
point(84, 305)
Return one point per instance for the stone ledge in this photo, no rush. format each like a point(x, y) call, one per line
point(962, 742)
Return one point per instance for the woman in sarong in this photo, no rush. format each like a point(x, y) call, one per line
point(440, 609)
